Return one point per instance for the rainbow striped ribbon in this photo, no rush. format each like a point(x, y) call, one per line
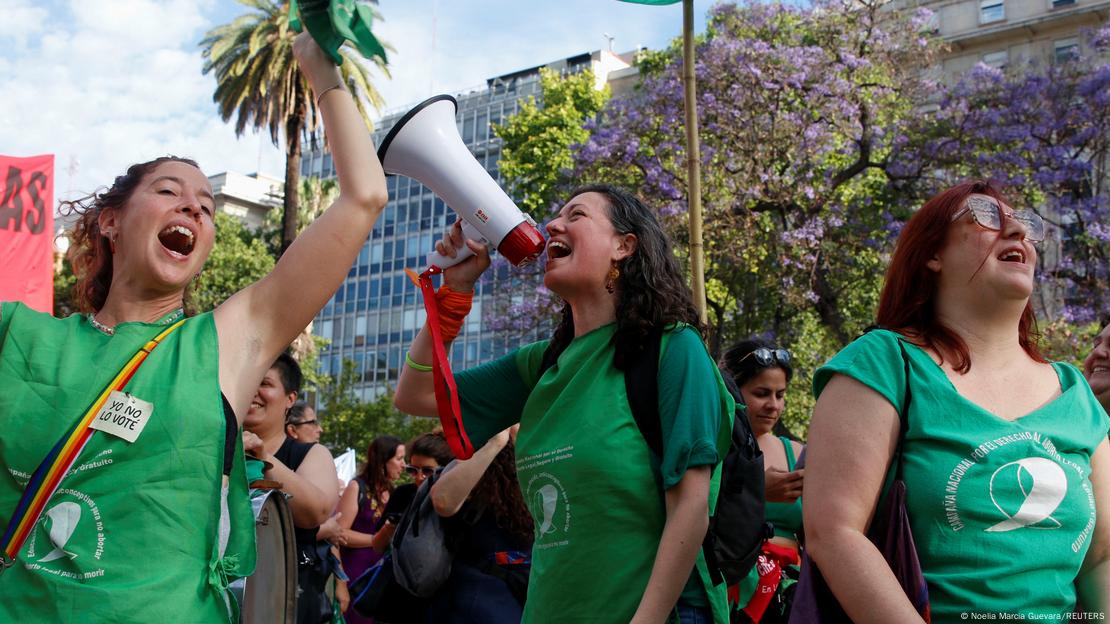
point(48, 476)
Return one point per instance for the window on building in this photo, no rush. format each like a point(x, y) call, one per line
point(1062, 3)
point(997, 60)
point(1065, 50)
point(991, 11)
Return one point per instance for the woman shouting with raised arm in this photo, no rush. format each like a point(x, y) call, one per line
point(118, 428)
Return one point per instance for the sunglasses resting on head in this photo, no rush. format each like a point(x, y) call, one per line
point(766, 357)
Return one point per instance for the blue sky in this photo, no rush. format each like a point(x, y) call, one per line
point(107, 83)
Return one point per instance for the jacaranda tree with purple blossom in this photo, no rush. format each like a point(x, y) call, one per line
point(1042, 130)
point(799, 110)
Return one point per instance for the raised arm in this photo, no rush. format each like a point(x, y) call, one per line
point(453, 487)
point(415, 393)
point(256, 323)
point(851, 442)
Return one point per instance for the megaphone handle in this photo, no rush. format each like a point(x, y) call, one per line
point(468, 231)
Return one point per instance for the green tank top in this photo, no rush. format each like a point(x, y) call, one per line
point(1002, 511)
point(786, 517)
point(133, 533)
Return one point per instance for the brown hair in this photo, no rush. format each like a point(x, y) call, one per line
point(90, 252)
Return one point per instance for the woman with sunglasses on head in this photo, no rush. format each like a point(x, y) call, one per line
point(366, 533)
point(761, 373)
point(618, 527)
point(1004, 455)
point(139, 527)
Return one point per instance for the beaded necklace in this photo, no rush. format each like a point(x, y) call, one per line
point(110, 331)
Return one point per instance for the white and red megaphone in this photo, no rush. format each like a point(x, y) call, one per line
point(425, 145)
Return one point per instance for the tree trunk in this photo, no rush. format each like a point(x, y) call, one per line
point(291, 204)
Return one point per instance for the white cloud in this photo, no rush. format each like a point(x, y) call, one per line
point(23, 20)
point(117, 82)
point(107, 83)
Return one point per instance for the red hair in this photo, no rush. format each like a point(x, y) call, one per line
point(906, 304)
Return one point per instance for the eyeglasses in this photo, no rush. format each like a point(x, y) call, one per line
point(427, 471)
point(304, 422)
point(987, 212)
point(766, 357)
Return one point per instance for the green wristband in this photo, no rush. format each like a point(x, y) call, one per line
point(414, 366)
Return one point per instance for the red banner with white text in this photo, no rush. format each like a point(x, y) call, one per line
point(27, 231)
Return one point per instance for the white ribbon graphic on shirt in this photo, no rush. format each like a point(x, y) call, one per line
point(63, 522)
point(1047, 491)
point(548, 498)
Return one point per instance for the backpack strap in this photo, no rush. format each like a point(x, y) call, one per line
point(641, 384)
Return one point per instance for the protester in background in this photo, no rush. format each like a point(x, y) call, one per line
point(427, 453)
point(135, 248)
point(1005, 455)
point(1097, 368)
point(618, 531)
point(489, 531)
point(306, 472)
point(302, 424)
point(366, 534)
point(761, 372)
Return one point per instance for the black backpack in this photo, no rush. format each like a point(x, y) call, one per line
point(737, 528)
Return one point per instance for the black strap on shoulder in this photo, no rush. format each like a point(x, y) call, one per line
point(641, 384)
point(904, 413)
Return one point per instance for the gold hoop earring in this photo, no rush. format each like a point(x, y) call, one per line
point(610, 283)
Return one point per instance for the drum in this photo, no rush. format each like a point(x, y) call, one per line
point(269, 596)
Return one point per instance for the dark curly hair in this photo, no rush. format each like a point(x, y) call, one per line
point(90, 253)
point(499, 492)
point(652, 293)
point(374, 473)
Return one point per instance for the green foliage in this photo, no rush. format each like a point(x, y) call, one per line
point(315, 196)
point(536, 151)
point(259, 84)
point(64, 279)
point(238, 259)
point(350, 423)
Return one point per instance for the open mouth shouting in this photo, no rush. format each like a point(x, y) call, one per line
point(178, 240)
point(557, 249)
point(1013, 254)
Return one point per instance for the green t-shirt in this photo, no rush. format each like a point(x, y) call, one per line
point(133, 532)
point(593, 487)
point(1002, 511)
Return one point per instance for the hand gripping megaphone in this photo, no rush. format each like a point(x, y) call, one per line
point(425, 145)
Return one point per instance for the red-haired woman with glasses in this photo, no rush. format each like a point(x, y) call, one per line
point(1005, 454)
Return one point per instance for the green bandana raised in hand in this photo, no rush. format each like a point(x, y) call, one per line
point(331, 22)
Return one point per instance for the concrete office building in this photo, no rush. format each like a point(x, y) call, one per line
point(375, 313)
point(246, 197)
point(1003, 33)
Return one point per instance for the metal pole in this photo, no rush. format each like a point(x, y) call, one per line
point(693, 162)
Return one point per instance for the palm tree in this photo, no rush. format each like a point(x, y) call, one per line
point(258, 82)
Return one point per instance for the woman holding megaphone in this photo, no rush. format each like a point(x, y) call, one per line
point(118, 428)
point(618, 529)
